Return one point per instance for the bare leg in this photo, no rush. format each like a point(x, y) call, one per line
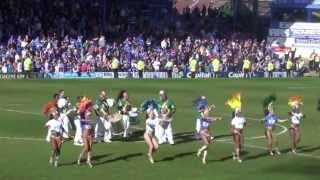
point(149, 142)
point(238, 146)
point(269, 141)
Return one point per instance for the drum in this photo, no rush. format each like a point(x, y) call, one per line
point(117, 125)
point(134, 116)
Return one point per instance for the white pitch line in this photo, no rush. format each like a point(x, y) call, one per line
point(264, 148)
point(21, 112)
point(22, 138)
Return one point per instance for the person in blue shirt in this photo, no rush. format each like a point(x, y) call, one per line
point(270, 120)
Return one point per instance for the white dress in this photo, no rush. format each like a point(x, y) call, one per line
point(238, 122)
point(151, 126)
point(296, 118)
point(54, 125)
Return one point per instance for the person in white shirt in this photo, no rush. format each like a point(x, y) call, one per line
point(164, 44)
point(55, 129)
point(78, 141)
point(19, 67)
point(156, 65)
point(237, 125)
point(296, 117)
point(4, 68)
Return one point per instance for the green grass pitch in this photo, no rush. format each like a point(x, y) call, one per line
point(24, 153)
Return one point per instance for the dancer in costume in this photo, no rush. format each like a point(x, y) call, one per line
point(102, 108)
point(151, 108)
point(270, 120)
point(238, 123)
point(55, 127)
point(167, 110)
point(205, 121)
point(87, 129)
point(124, 108)
point(296, 116)
point(200, 103)
point(48, 109)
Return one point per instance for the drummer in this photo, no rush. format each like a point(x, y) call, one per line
point(124, 108)
point(103, 124)
point(167, 109)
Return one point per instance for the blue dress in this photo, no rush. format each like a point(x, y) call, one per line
point(205, 124)
point(270, 120)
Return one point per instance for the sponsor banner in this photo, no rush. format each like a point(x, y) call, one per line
point(135, 75)
point(72, 75)
point(155, 75)
point(241, 75)
point(11, 76)
point(280, 74)
point(105, 75)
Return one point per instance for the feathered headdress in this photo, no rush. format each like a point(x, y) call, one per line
point(85, 104)
point(201, 103)
point(234, 101)
point(149, 104)
point(268, 102)
point(50, 106)
point(295, 101)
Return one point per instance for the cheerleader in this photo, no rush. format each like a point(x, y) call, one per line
point(296, 117)
point(237, 125)
point(124, 107)
point(55, 127)
point(87, 131)
point(205, 135)
point(270, 120)
point(149, 135)
point(151, 107)
point(200, 102)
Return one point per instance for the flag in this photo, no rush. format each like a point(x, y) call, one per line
point(267, 103)
point(295, 101)
point(234, 101)
point(50, 106)
point(85, 104)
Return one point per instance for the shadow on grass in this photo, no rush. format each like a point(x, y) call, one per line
point(243, 153)
point(299, 149)
point(180, 155)
point(185, 137)
point(120, 158)
point(311, 149)
point(94, 159)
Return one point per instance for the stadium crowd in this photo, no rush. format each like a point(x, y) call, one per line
point(57, 40)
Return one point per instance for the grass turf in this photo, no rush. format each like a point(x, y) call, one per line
point(21, 103)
